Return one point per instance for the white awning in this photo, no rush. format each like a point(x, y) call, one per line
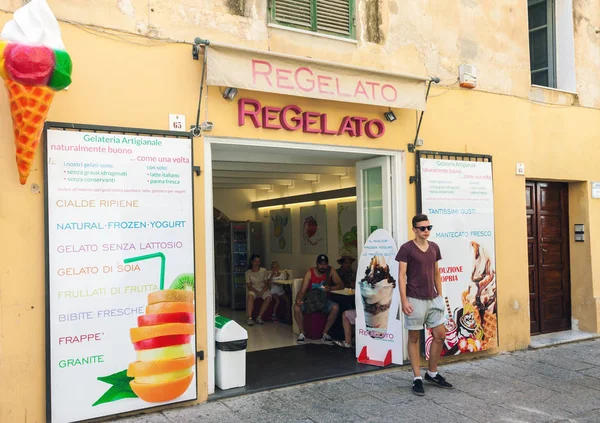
point(257, 70)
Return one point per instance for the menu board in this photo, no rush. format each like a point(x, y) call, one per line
point(121, 314)
point(458, 198)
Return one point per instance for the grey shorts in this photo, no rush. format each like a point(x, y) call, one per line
point(430, 313)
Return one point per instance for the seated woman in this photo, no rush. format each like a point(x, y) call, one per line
point(277, 291)
point(257, 286)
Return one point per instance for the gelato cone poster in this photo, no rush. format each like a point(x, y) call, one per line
point(457, 196)
point(120, 273)
point(377, 299)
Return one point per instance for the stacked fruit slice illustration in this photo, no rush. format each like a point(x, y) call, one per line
point(165, 356)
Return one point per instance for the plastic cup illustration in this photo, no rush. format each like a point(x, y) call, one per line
point(377, 289)
point(34, 65)
point(166, 358)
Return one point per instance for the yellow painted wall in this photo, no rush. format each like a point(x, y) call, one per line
point(136, 83)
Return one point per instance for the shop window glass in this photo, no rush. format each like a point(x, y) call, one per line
point(373, 201)
point(542, 42)
point(333, 17)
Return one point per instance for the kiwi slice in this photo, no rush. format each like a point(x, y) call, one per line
point(183, 281)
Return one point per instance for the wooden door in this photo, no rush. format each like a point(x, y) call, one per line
point(548, 256)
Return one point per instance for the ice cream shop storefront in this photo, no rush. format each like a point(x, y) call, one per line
point(141, 235)
point(309, 158)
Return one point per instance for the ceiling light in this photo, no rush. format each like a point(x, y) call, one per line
point(390, 116)
point(230, 93)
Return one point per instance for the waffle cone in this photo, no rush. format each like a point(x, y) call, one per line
point(490, 325)
point(29, 107)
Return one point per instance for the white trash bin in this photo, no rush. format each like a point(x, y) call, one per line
point(230, 358)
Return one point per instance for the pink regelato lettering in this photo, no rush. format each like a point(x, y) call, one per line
point(311, 81)
point(324, 129)
point(253, 114)
point(393, 90)
point(266, 73)
point(308, 119)
point(377, 124)
point(283, 75)
point(340, 93)
point(346, 127)
point(269, 114)
point(358, 125)
point(360, 89)
point(296, 119)
point(320, 80)
point(372, 85)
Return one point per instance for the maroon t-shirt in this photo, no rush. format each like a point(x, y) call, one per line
point(420, 269)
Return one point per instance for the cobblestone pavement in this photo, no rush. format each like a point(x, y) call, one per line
point(557, 384)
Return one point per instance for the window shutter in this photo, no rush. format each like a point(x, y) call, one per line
point(334, 16)
point(294, 12)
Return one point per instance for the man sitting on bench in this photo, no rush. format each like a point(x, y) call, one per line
point(318, 278)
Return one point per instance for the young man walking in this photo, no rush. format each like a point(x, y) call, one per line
point(422, 301)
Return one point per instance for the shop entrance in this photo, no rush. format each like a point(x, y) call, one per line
point(548, 256)
point(290, 202)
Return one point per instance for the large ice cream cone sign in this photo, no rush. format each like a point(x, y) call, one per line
point(34, 65)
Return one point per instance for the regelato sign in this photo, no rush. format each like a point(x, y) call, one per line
point(293, 118)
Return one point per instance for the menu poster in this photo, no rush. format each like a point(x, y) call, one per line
point(458, 198)
point(378, 299)
point(120, 273)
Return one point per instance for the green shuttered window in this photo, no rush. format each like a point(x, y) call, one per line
point(333, 17)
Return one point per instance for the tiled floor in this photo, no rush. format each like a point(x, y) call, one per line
point(270, 335)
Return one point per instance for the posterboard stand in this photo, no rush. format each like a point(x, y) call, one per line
point(364, 358)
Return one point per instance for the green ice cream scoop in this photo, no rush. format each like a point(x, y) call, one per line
point(61, 77)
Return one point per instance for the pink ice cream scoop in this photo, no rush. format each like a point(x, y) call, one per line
point(29, 65)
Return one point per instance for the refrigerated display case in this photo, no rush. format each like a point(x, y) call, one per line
point(246, 239)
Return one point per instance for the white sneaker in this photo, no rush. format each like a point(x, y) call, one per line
point(301, 339)
point(326, 338)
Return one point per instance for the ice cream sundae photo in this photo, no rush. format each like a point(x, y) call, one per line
point(482, 287)
point(377, 289)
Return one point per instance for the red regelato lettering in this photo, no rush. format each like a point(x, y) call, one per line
point(293, 118)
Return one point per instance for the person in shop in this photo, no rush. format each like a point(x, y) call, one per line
point(422, 301)
point(345, 271)
point(277, 292)
point(257, 286)
point(348, 321)
point(312, 296)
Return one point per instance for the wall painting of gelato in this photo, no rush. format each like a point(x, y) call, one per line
point(280, 230)
point(457, 196)
point(313, 230)
point(347, 237)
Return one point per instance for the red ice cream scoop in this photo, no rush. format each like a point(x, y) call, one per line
point(29, 65)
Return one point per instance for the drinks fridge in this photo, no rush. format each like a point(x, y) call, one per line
point(246, 239)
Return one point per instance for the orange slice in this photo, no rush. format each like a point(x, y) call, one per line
point(151, 368)
point(171, 295)
point(164, 377)
point(161, 392)
point(166, 353)
point(176, 307)
point(147, 332)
